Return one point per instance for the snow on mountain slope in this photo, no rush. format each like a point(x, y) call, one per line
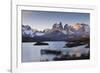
point(27, 31)
point(39, 34)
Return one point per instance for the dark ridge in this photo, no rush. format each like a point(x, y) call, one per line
point(73, 44)
point(41, 43)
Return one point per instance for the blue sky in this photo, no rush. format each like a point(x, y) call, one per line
point(43, 19)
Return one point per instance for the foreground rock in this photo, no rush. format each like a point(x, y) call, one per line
point(74, 57)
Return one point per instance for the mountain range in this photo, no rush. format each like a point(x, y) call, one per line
point(57, 33)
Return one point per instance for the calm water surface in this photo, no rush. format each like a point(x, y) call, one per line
point(32, 53)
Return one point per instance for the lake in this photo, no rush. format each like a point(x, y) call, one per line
point(32, 53)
